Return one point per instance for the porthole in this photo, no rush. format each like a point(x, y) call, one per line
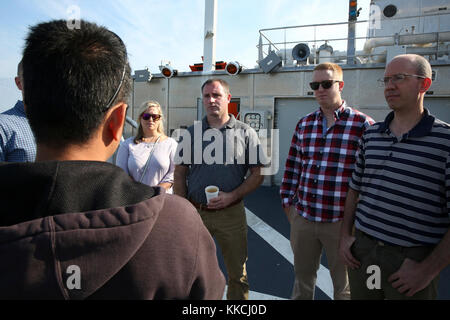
point(390, 11)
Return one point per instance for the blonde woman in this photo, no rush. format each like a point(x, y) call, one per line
point(149, 157)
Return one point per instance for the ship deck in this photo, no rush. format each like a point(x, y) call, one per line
point(270, 259)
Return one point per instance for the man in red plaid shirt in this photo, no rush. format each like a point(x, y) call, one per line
point(315, 183)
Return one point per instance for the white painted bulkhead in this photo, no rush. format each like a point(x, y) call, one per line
point(284, 95)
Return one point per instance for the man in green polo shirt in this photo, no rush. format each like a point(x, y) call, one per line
point(212, 163)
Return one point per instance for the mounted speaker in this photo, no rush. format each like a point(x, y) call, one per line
point(301, 52)
point(269, 63)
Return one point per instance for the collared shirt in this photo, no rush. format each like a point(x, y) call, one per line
point(17, 142)
point(219, 157)
point(320, 163)
point(404, 183)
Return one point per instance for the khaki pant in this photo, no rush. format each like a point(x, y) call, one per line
point(388, 258)
point(229, 227)
point(307, 240)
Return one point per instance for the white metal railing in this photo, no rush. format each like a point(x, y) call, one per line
point(282, 39)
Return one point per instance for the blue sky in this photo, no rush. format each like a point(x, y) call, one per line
point(169, 30)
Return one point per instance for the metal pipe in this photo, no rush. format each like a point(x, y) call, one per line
point(427, 50)
point(352, 18)
point(351, 43)
point(370, 44)
point(131, 122)
point(209, 46)
point(167, 107)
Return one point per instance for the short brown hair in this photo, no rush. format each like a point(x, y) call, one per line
point(337, 70)
point(224, 84)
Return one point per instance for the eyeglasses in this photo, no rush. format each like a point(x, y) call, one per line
point(396, 78)
point(147, 116)
point(326, 84)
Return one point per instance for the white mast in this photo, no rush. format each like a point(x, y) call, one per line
point(209, 46)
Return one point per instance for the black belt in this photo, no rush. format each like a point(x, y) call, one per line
point(393, 246)
point(379, 242)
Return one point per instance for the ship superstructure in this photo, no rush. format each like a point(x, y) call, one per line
point(276, 93)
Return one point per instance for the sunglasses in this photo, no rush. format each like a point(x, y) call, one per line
point(326, 84)
point(147, 116)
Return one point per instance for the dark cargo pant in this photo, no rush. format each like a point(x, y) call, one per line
point(371, 252)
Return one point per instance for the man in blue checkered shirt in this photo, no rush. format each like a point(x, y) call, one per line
point(16, 138)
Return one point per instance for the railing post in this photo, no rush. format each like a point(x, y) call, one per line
point(352, 17)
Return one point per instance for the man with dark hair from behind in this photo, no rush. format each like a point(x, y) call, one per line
point(73, 226)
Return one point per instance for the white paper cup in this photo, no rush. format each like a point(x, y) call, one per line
point(211, 192)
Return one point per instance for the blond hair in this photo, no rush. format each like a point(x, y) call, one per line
point(337, 70)
point(144, 107)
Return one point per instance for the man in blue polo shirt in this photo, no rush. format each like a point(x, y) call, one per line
point(399, 196)
point(16, 138)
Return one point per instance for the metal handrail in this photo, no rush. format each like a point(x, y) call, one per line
point(284, 43)
point(346, 22)
point(310, 25)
